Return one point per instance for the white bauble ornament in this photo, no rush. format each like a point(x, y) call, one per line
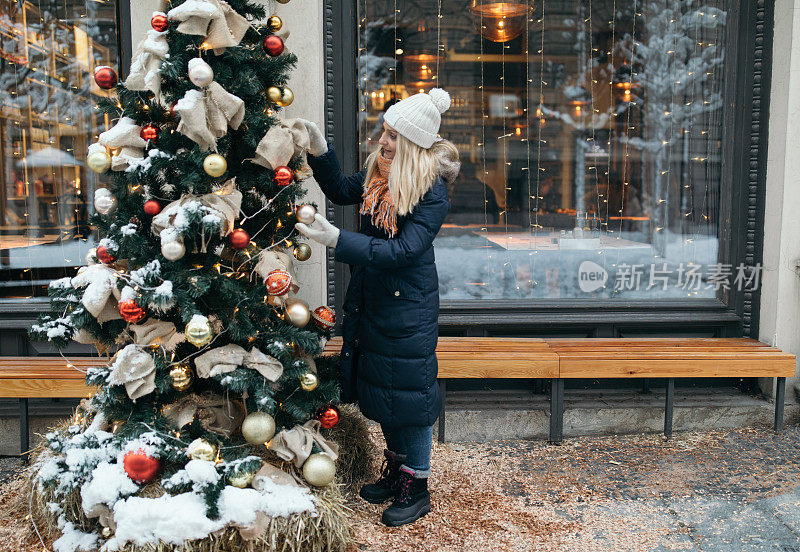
point(200, 73)
point(91, 256)
point(173, 250)
point(305, 213)
point(198, 331)
point(319, 469)
point(104, 201)
point(258, 428)
point(99, 160)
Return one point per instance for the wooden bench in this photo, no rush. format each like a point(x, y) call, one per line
point(25, 378)
point(562, 358)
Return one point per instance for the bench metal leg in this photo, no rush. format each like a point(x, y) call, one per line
point(24, 434)
point(669, 407)
point(443, 388)
point(556, 410)
point(780, 398)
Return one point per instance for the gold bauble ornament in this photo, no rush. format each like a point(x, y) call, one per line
point(274, 23)
point(319, 470)
point(287, 97)
point(309, 381)
point(99, 161)
point(302, 252)
point(241, 480)
point(274, 94)
point(202, 449)
point(198, 331)
point(258, 428)
point(297, 312)
point(305, 213)
point(215, 165)
point(181, 377)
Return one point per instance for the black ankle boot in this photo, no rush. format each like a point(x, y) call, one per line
point(412, 501)
point(386, 485)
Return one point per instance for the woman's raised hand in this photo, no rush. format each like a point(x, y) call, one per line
point(320, 231)
point(318, 146)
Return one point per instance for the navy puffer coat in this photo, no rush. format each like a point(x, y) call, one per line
point(391, 309)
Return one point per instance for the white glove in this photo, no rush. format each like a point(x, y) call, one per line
point(318, 146)
point(323, 232)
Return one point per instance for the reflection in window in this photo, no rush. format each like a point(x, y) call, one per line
point(48, 53)
point(590, 135)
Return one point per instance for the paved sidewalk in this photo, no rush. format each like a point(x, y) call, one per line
point(731, 491)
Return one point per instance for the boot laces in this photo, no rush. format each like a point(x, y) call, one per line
point(388, 476)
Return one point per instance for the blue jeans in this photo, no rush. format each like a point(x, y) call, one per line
point(414, 442)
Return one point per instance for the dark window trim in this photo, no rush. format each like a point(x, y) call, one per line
point(747, 84)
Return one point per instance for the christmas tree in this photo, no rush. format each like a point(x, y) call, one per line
point(213, 412)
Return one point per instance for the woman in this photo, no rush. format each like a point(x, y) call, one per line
point(391, 308)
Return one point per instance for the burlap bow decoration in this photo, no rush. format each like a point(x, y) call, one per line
point(157, 333)
point(151, 52)
point(134, 368)
point(215, 413)
point(125, 139)
point(282, 142)
point(227, 358)
point(273, 259)
point(226, 204)
point(294, 445)
point(206, 114)
point(214, 19)
point(101, 294)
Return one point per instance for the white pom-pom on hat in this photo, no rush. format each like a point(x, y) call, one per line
point(418, 117)
point(440, 98)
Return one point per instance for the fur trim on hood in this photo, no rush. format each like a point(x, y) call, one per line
point(447, 165)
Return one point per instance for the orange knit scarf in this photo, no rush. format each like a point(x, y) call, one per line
point(378, 200)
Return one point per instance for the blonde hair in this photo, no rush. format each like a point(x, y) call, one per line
point(414, 170)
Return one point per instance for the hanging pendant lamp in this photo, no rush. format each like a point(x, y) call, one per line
point(500, 21)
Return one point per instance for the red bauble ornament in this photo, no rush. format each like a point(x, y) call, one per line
point(160, 22)
point(149, 132)
point(284, 175)
point(278, 282)
point(104, 255)
point(324, 318)
point(239, 238)
point(273, 45)
point(328, 416)
point(131, 311)
point(152, 207)
point(140, 467)
point(105, 77)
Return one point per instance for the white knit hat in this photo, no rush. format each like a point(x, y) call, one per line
point(418, 117)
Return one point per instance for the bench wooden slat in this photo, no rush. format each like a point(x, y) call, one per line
point(645, 354)
point(44, 388)
point(675, 368)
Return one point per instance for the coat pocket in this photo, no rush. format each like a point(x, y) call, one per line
point(399, 288)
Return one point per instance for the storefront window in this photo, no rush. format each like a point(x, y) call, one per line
point(48, 53)
point(590, 135)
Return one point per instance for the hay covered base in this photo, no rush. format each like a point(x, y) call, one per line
point(32, 520)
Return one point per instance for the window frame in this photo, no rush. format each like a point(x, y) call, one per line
point(747, 83)
point(19, 314)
